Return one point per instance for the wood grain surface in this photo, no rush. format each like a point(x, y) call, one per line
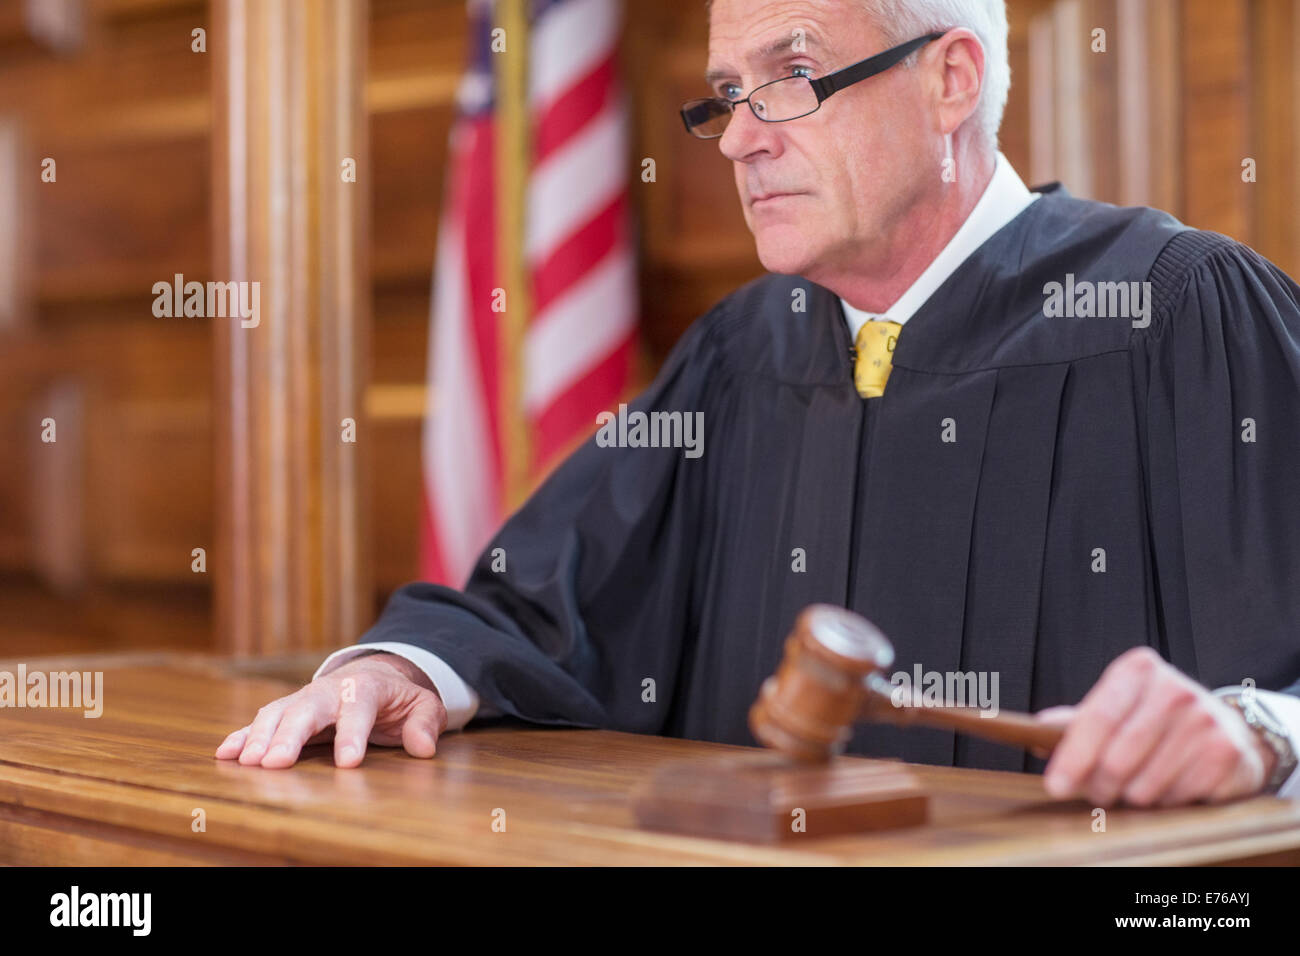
point(122, 790)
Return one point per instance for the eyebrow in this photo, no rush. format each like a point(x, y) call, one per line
point(779, 46)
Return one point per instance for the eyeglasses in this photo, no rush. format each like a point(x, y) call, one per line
point(791, 97)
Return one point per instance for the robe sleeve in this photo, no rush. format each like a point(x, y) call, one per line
point(596, 587)
point(1218, 377)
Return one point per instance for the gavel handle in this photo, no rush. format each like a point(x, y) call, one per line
point(1007, 727)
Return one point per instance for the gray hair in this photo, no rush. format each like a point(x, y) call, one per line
point(903, 20)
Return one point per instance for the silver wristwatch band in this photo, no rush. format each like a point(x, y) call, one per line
point(1262, 720)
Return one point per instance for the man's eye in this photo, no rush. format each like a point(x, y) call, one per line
point(729, 91)
point(808, 71)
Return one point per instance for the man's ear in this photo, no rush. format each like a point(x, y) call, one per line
point(956, 67)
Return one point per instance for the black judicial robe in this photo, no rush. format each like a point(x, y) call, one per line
point(978, 554)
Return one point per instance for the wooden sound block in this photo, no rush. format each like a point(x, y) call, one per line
point(754, 798)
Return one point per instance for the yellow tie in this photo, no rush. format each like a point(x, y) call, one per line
point(875, 345)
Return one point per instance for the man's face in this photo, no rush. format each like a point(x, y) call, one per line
point(823, 192)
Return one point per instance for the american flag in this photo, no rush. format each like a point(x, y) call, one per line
point(578, 347)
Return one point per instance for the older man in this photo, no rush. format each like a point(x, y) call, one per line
point(1031, 437)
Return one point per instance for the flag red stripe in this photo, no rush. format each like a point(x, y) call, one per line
point(573, 413)
point(573, 109)
point(579, 253)
point(471, 206)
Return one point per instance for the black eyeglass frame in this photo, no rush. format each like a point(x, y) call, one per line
point(823, 86)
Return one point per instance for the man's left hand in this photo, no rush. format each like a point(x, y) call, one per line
point(1148, 735)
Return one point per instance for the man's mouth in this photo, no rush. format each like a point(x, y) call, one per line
point(769, 197)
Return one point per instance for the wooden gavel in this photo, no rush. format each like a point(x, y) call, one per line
point(831, 677)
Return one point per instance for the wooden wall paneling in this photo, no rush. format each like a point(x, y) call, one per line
point(1013, 137)
point(130, 205)
point(1074, 160)
point(18, 177)
point(139, 9)
point(1216, 71)
point(421, 40)
point(1108, 125)
point(1150, 104)
point(146, 496)
point(1101, 72)
point(416, 58)
point(409, 147)
point(291, 527)
point(1136, 110)
point(1041, 74)
point(151, 490)
point(57, 475)
point(396, 422)
point(344, 280)
point(121, 218)
point(16, 425)
point(1275, 130)
point(47, 25)
point(401, 333)
point(395, 405)
point(1293, 117)
point(14, 31)
point(130, 67)
point(120, 617)
point(694, 245)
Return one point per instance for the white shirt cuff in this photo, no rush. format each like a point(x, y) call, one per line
point(457, 697)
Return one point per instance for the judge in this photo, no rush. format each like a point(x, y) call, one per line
point(1098, 505)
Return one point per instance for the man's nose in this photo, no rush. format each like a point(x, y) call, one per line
point(747, 135)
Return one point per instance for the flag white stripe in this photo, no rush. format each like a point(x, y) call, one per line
point(580, 328)
point(456, 456)
point(568, 42)
point(576, 182)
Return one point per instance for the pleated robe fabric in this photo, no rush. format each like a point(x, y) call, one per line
point(1097, 491)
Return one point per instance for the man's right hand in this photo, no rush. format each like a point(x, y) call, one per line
point(380, 698)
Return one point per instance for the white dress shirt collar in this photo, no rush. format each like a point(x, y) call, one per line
point(1004, 198)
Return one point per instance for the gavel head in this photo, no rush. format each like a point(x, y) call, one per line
point(808, 707)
